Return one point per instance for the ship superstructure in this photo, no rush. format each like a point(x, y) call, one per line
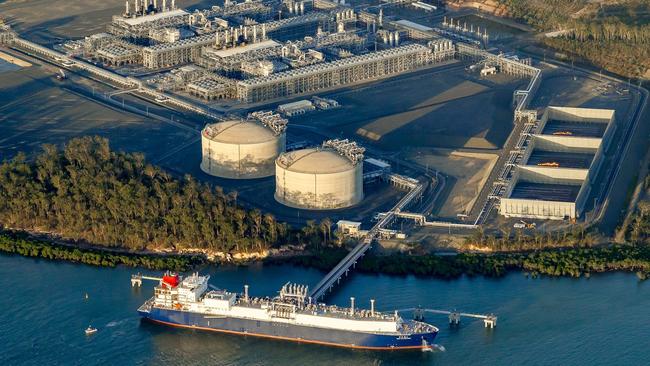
point(192, 302)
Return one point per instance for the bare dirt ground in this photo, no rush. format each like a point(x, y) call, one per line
point(470, 170)
point(383, 126)
point(35, 109)
point(432, 242)
point(434, 108)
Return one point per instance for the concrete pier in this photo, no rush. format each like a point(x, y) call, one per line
point(489, 320)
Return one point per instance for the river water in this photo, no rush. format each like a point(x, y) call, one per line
point(604, 320)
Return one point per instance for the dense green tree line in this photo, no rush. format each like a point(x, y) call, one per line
point(615, 37)
point(639, 229)
point(543, 14)
point(511, 240)
point(629, 60)
point(609, 30)
point(568, 262)
point(85, 191)
point(16, 244)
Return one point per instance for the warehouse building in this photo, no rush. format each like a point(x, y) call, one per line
point(375, 65)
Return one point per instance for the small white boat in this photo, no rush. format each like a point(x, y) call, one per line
point(90, 330)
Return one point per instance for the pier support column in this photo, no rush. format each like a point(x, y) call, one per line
point(454, 319)
point(418, 314)
point(490, 321)
point(136, 280)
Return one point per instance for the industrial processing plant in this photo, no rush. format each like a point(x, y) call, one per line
point(256, 51)
point(326, 177)
point(559, 166)
point(404, 79)
point(243, 148)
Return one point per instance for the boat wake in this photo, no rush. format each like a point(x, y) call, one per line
point(434, 348)
point(115, 323)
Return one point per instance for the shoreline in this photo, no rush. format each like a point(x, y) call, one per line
point(565, 262)
point(21, 244)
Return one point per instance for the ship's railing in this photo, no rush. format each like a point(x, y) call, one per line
point(319, 309)
point(147, 305)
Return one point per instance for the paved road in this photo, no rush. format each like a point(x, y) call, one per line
point(627, 159)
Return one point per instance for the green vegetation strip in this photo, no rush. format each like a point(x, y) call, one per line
point(568, 262)
point(12, 243)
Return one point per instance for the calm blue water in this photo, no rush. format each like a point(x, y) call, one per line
point(604, 320)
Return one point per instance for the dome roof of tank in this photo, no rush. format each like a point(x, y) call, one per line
point(314, 161)
point(238, 132)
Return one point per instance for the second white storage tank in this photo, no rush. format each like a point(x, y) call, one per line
point(318, 178)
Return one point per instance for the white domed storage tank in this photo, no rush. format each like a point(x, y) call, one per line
point(327, 177)
point(242, 149)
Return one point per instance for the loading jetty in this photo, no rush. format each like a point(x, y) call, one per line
point(348, 263)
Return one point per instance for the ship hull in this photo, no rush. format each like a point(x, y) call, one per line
point(289, 332)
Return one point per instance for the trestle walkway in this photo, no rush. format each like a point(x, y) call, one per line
point(344, 266)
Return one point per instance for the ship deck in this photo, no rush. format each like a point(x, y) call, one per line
point(320, 309)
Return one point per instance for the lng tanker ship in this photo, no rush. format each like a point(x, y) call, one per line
point(192, 303)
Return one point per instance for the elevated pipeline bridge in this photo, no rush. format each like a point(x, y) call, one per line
point(343, 267)
point(421, 220)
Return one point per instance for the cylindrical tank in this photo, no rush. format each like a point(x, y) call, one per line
point(240, 149)
point(318, 179)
